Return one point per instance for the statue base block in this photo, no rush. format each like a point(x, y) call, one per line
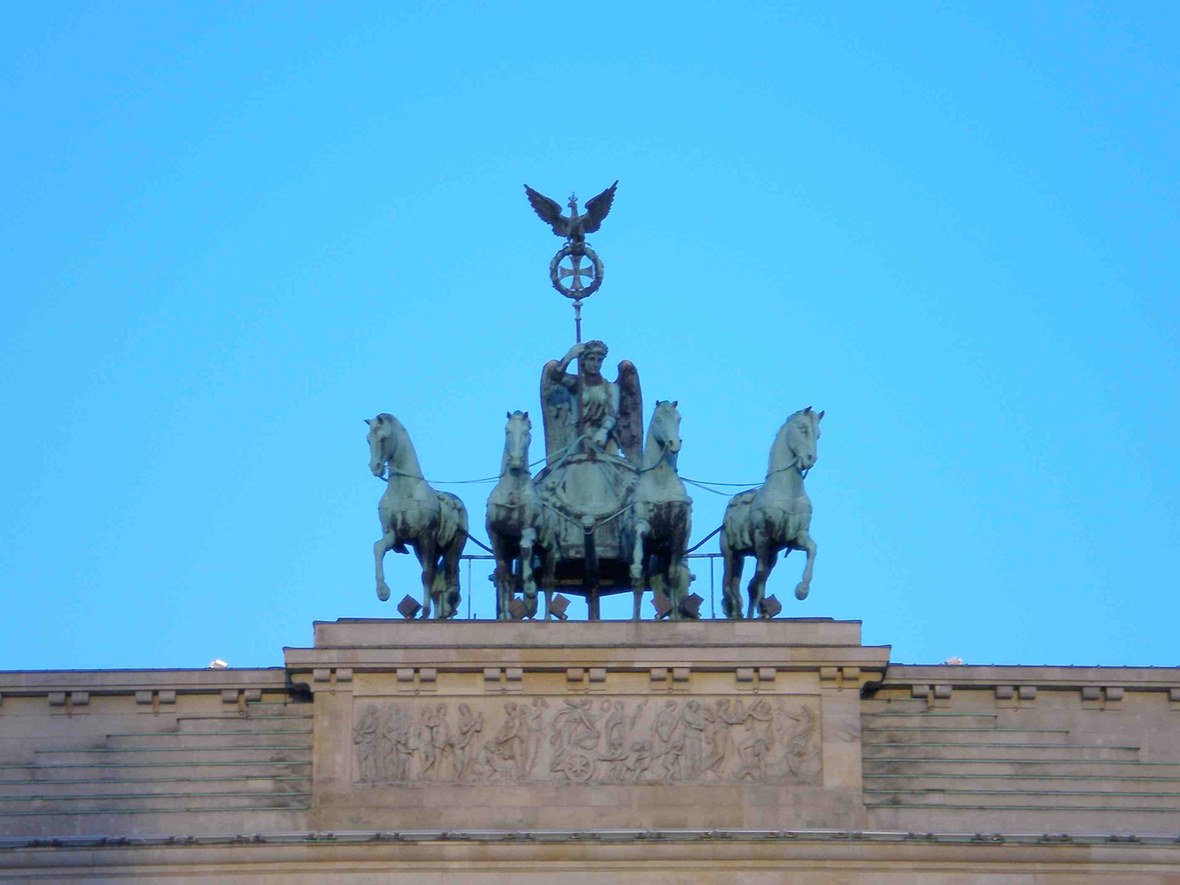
point(611, 724)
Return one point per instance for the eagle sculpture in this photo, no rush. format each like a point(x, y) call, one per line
point(573, 227)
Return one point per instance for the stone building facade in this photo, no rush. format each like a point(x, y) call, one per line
point(749, 751)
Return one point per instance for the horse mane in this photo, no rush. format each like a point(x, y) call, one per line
point(649, 454)
point(406, 457)
point(780, 452)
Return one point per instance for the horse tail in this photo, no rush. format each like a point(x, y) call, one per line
point(450, 539)
point(736, 532)
point(452, 524)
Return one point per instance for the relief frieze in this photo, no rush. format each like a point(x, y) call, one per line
point(588, 741)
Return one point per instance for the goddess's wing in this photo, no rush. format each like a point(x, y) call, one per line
point(550, 212)
point(559, 413)
point(629, 428)
point(597, 208)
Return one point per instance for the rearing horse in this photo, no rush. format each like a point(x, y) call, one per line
point(411, 512)
point(519, 525)
point(773, 517)
point(662, 514)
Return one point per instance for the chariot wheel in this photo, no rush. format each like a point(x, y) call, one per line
point(579, 768)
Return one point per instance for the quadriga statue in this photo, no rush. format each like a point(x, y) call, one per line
point(776, 516)
point(413, 513)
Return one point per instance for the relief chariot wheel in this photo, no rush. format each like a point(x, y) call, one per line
point(567, 264)
point(578, 768)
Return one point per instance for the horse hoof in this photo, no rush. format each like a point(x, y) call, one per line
point(383, 592)
point(801, 590)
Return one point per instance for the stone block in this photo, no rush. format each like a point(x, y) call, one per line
point(766, 674)
point(1005, 692)
point(919, 691)
point(1027, 692)
point(57, 698)
point(598, 674)
point(745, 674)
point(344, 674)
point(252, 695)
point(143, 697)
point(79, 698)
point(321, 674)
point(229, 695)
point(167, 696)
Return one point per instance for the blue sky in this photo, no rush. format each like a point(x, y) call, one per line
point(230, 232)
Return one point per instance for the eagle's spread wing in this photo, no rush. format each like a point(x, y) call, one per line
point(596, 209)
point(550, 212)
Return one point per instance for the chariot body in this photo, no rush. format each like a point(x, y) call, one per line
point(593, 454)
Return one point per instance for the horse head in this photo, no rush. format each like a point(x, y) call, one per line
point(518, 437)
point(664, 429)
point(382, 441)
point(802, 434)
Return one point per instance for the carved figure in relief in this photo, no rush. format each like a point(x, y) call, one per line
point(640, 761)
point(512, 739)
point(801, 754)
point(536, 726)
point(364, 736)
point(615, 752)
point(669, 740)
point(575, 734)
point(519, 526)
point(443, 745)
point(694, 738)
point(470, 726)
point(776, 516)
point(411, 512)
point(755, 747)
point(723, 739)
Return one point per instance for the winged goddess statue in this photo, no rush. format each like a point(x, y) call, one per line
point(573, 227)
point(605, 415)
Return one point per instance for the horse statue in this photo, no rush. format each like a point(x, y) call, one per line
point(661, 515)
point(773, 517)
point(411, 512)
point(519, 525)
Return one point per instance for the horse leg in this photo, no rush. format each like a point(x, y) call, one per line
point(450, 564)
point(678, 577)
point(764, 552)
point(424, 547)
point(550, 579)
point(502, 576)
point(732, 562)
point(804, 586)
point(379, 550)
point(642, 532)
point(528, 539)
